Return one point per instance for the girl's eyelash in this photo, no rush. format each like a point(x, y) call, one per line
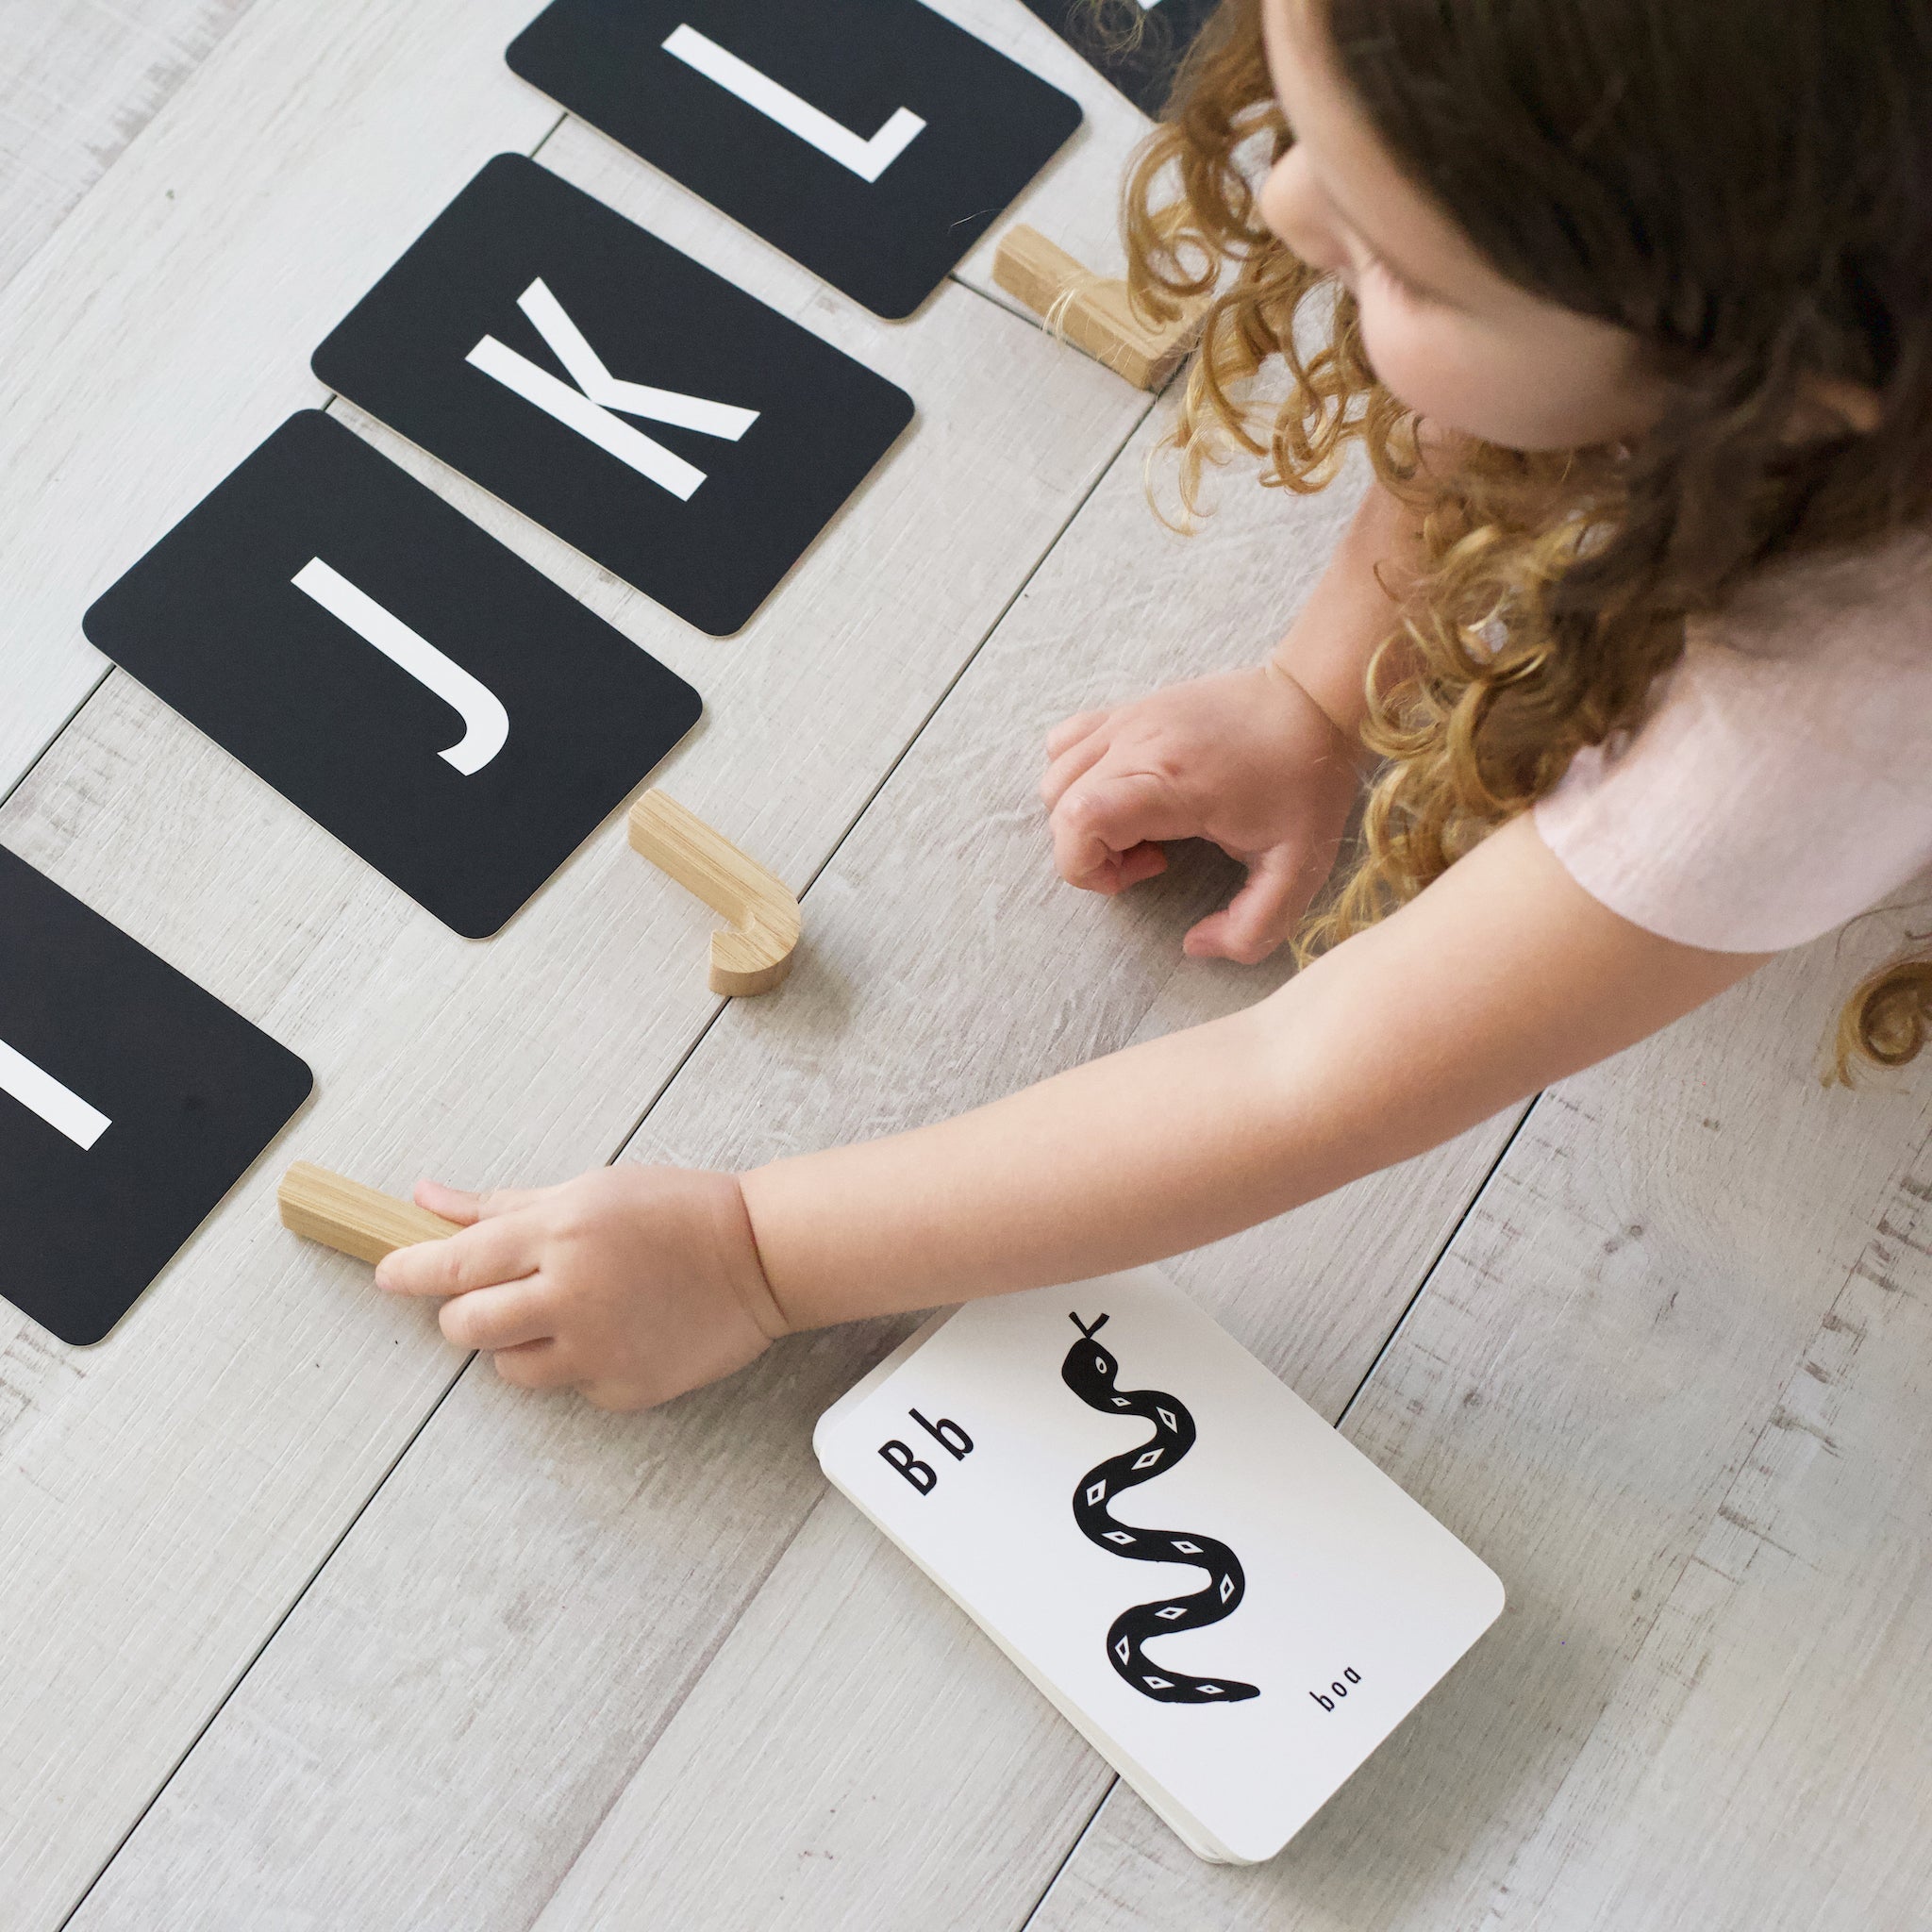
point(1402, 282)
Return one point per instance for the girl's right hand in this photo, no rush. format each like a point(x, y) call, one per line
point(1246, 759)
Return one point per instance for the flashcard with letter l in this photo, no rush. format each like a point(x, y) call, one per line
point(653, 415)
point(412, 685)
point(130, 1102)
point(872, 141)
point(1230, 1602)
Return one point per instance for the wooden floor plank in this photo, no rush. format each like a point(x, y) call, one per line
point(855, 1754)
point(1763, 1761)
point(81, 78)
point(168, 1494)
point(585, 1568)
point(1619, 1385)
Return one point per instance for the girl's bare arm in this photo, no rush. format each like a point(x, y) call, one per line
point(1352, 609)
point(1504, 976)
point(633, 1284)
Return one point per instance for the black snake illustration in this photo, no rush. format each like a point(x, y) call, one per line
point(1089, 1371)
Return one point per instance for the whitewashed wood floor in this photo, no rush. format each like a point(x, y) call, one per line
point(305, 1623)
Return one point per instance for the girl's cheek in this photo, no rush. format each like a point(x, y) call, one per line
point(1406, 351)
point(1458, 375)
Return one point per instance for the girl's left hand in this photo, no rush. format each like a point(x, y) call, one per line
point(1247, 760)
point(628, 1284)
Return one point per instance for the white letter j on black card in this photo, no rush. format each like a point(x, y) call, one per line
point(486, 724)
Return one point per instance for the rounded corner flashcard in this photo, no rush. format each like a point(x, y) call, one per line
point(423, 693)
point(648, 412)
point(872, 141)
point(1138, 44)
point(130, 1102)
point(1230, 1601)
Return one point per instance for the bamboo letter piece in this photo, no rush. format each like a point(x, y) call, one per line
point(346, 1216)
point(1092, 314)
point(757, 953)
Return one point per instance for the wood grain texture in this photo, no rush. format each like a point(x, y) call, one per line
point(855, 1753)
point(753, 955)
point(79, 81)
point(1619, 1385)
point(946, 966)
point(352, 1219)
point(1763, 1762)
point(169, 1494)
point(1092, 313)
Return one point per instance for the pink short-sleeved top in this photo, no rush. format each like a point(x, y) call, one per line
point(1781, 780)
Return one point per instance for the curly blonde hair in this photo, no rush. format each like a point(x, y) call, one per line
point(1747, 188)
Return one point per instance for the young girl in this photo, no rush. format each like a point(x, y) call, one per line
point(1631, 303)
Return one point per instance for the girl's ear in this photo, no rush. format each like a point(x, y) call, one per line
point(1830, 406)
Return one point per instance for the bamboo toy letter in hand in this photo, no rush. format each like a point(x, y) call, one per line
point(354, 1220)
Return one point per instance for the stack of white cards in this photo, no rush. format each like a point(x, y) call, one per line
point(1233, 1605)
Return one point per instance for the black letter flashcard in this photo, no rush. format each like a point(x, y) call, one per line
point(531, 330)
point(130, 1102)
point(415, 688)
point(1139, 45)
point(872, 141)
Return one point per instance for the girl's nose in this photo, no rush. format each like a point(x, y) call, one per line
point(1292, 204)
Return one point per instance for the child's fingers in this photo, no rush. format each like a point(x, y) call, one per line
point(1142, 862)
point(505, 1316)
point(458, 1205)
point(479, 1257)
point(1257, 919)
point(1214, 939)
point(1071, 766)
point(536, 1365)
point(1098, 820)
point(1070, 731)
point(453, 1204)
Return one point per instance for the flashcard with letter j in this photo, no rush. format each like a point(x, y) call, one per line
point(1231, 1602)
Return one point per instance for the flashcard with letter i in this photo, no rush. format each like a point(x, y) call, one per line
point(131, 1101)
point(1230, 1602)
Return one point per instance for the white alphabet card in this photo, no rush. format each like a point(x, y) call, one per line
point(531, 332)
point(130, 1102)
point(1139, 45)
point(872, 141)
point(418, 689)
point(1230, 1602)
